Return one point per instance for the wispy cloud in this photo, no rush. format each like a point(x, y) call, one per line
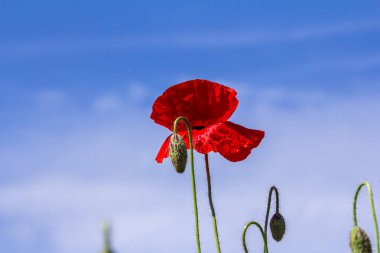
point(317, 147)
point(348, 64)
point(108, 103)
point(206, 39)
point(70, 211)
point(133, 94)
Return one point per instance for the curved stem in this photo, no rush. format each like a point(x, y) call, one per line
point(372, 209)
point(216, 235)
point(262, 234)
point(192, 177)
point(273, 188)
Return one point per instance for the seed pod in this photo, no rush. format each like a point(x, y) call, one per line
point(359, 241)
point(178, 152)
point(277, 226)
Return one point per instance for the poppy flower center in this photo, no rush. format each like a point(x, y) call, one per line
point(198, 127)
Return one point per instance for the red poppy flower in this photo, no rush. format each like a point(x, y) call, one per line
point(207, 106)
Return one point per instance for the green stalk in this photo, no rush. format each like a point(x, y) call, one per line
point(273, 188)
point(262, 234)
point(192, 177)
point(216, 235)
point(372, 209)
point(107, 237)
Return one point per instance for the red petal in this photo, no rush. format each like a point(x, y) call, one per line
point(232, 141)
point(164, 151)
point(202, 102)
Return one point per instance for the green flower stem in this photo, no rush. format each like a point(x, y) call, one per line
point(372, 209)
point(107, 237)
point(216, 235)
point(273, 188)
point(262, 234)
point(192, 177)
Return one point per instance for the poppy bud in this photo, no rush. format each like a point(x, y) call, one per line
point(277, 226)
point(359, 241)
point(178, 152)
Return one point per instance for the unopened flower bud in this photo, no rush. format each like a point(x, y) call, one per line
point(277, 226)
point(359, 241)
point(178, 152)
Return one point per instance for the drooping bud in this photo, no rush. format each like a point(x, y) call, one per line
point(359, 241)
point(178, 152)
point(277, 226)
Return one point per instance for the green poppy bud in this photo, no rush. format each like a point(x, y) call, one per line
point(277, 226)
point(178, 152)
point(359, 241)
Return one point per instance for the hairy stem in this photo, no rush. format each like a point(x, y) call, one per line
point(192, 177)
point(372, 209)
point(262, 234)
point(216, 235)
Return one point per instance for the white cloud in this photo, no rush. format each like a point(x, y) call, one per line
point(51, 98)
point(134, 93)
point(108, 103)
point(212, 39)
point(137, 91)
point(317, 148)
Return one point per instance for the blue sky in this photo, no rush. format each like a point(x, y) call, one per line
point(77, 81)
